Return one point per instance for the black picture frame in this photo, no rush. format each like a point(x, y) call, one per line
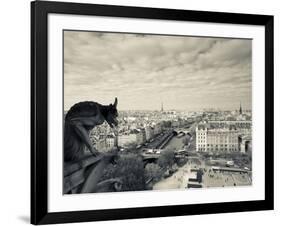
point(39, 112)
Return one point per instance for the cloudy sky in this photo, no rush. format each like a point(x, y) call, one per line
point(185, 73)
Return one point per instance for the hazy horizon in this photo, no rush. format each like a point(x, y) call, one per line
point(166, 110)
point(185, 73)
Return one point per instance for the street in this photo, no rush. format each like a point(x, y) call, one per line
point(178, 180)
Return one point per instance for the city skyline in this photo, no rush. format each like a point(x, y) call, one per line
point(237, 109)
point(144, 71)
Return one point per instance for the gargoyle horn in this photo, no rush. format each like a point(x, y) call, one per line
point(115, 102)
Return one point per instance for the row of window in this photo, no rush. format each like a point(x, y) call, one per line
point(219, 139)
point(217, 149)
point(216, 145)
point(218, 135)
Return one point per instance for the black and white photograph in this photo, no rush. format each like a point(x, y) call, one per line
point(149, 112)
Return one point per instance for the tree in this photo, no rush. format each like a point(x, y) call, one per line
point(153, 171)
point(166, 158)
point(130, 169)
point(181, 161)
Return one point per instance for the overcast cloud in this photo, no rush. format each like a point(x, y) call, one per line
point(188, 73)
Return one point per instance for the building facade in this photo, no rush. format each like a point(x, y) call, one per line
point(124, 140)
point(141, 137)
point(212, 139)
point(244, 127)
point(158, 128)
point(148, 132)
point(105, 143)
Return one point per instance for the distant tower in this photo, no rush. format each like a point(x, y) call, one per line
point(240, 110)
point(162, 109)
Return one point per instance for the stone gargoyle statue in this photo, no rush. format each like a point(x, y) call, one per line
point(79, 121)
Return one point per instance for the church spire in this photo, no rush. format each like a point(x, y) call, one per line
point(240, 110)
point(162, 107)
